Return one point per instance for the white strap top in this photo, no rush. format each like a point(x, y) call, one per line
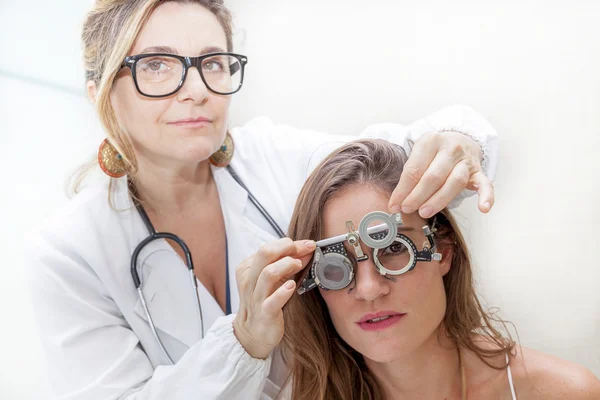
point(510, 380)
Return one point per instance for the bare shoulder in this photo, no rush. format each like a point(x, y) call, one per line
point(538, 375)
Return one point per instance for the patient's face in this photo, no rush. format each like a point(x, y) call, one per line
point(416, 301)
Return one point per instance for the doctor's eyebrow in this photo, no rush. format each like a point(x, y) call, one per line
point(159, 49)
point(212, 49)
point(171, 50)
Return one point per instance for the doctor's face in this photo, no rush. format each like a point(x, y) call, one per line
point(185, 127)
point(407, 312)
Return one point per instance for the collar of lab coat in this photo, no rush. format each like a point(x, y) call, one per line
point(166, 283)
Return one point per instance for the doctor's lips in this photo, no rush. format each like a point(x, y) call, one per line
point(379, 321)
point(192, 122)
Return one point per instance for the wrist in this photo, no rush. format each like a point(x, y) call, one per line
point(252, 347)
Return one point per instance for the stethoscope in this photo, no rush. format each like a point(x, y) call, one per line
point(154, 235)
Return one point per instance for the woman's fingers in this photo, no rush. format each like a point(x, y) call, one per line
point(439, 168)
point(454, 184)
point(267, 254)
point(273, 275)
point(273, 304)
point(485, 191)
point(421, 156)
point(432, 180)
point(262, 278)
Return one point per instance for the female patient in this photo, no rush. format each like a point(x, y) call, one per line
point(398, 320)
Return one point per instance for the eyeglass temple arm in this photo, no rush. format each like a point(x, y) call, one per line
point(233, 68)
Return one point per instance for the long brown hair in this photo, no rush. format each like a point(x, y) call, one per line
point(322, 365)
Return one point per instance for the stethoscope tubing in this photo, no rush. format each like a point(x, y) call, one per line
point(154, 235)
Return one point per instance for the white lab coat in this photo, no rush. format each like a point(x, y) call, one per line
point(93, 328)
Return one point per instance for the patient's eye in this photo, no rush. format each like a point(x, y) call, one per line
point(395, 248)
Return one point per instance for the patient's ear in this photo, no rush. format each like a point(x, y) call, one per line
point(91, 91)
point(447, 251)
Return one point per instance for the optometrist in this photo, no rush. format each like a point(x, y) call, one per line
point(134, 282)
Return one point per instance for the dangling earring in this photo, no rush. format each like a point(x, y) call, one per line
point(222, 157)
point(110, 160)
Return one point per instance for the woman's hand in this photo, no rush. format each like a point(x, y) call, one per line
point(440, 166)
point(265, 287)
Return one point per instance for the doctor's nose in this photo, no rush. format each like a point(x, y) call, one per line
point(193, 88)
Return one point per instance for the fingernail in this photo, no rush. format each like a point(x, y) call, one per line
point(487, 205)
point(407, 210)
point(289, 285)
point(426, 212)
point(310, 244)
point(395, 209)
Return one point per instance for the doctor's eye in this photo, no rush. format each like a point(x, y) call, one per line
point(157, 65)
point(214, 65)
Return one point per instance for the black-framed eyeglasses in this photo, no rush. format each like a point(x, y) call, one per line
point(163, 74)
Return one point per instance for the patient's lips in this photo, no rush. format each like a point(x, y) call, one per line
point(379, 321)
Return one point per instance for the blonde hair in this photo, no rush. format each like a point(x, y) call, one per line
point(322, 365)
point(109, 32)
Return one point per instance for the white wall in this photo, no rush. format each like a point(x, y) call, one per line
point(531, 67)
